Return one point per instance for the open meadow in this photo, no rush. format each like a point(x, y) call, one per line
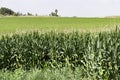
point(54, 48)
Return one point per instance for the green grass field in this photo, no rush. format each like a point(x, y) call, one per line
point(23, 24)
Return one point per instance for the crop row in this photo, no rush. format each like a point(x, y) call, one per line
point(98, 55)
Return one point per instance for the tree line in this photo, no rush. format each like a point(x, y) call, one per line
point(9, 12)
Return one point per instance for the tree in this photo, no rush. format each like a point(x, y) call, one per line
point(29, 14)
point(6, 11)
point(18, 14)
point(36, 14)
point(54, 13)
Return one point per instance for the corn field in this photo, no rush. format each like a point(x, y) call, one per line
point(97, 55)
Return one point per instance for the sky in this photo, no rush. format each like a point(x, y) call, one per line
point(66, 8)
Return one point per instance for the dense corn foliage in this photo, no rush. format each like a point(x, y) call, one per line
point(98, 55)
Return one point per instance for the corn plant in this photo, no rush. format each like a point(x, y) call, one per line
point(98, 55)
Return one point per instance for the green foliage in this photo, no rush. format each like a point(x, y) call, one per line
point(98, 55)
point(55, 13)
point(6, 11)
point(46, 74)
point(29, 14)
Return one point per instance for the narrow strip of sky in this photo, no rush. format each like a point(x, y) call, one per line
point(80, 8)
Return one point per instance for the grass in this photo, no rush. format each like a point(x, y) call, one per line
point(23, 24)
point(46, 74)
